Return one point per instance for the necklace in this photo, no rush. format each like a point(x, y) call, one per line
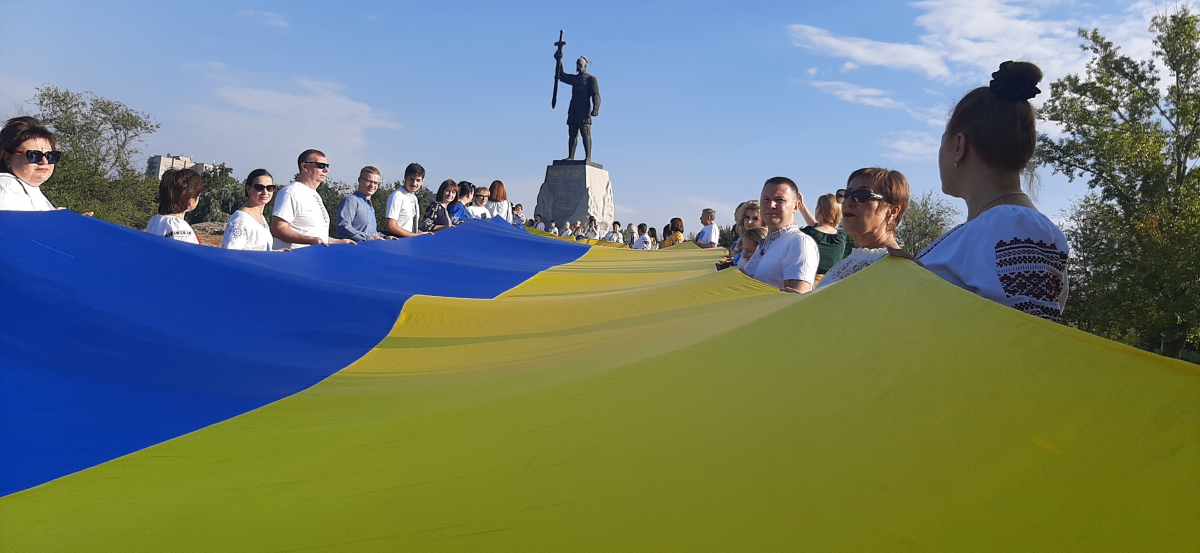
point(996, 199)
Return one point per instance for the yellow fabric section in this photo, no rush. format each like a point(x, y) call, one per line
point(686, 410)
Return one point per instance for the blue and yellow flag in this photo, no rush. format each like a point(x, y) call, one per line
point(488, 389)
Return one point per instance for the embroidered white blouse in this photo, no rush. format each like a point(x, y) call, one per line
point(1009, 254)
point(859, 259)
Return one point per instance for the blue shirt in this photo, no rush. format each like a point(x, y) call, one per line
point(458, 212)
point(356, 218)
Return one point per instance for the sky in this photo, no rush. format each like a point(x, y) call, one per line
point(702, 101)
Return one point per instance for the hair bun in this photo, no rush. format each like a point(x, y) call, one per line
point(1016, 81)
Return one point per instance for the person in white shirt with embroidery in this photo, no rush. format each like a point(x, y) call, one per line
point(27, 158)
point(247, 228)
point(709, 235)
point(786, 258)
point(873, 204)
point(642, 242)
point(300, 219)
point(1007, 251)
point(178, 193)
point(403, 209)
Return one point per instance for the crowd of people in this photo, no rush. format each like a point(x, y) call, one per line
point(1006, 251)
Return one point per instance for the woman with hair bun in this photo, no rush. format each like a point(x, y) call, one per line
point(247, 229)
point(178, 193)
point(1007, 251)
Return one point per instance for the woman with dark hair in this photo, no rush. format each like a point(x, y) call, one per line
point(652, 234)
point(27, 158)
point(247, 228)
point(831, 241)
point(499, 205)
point(437, 215)
point(1007, 251)
point(178, 193)
point(674, 233)
point(872, 206)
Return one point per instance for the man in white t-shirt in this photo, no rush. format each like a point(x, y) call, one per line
point(615, 234)
point(709, 235)
point(300, 218)
point(786, 258)
point(538, 223)
point(642, 242)
point(403, 210)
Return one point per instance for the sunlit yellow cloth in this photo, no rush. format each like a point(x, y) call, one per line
point(673, 239)
point(642, 402)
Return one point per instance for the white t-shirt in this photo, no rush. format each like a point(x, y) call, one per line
point(591, 234)
point(242, 232)
point(615, 236)
point(17, 195)
point(402, 207)
point(566, 232)
point(540, 226)
point(1009, 254)
point(171, 226)
point(708, 235)
point(502, 209)
point(554, 231)
point(479, 212)
point(786, 254)
point(641, 242)
point(302, 207)
point(859, 259)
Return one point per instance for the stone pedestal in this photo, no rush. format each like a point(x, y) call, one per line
point(573, 191)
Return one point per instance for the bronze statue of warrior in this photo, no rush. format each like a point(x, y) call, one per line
point(585, 103)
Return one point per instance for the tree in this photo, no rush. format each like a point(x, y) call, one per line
point(98, 138)
point(223, 194)
point(1133, 131)
point(927, 217)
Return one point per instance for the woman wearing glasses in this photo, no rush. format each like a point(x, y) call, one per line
point(873, 203)
point(1007, 251)
point(27, 158)
point(247, 228)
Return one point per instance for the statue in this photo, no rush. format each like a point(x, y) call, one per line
point(585, 101)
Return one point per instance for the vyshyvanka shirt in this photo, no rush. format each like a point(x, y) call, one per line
point(859, 259)
point(171, 226)
point(785, 254)
point(243, 232)
point(1009, 254)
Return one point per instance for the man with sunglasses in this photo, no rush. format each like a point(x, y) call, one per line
point(786, 258)
point(300, 218)
point(356, 213)
point(403, 209)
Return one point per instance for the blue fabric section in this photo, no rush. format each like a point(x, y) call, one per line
point(112, 340)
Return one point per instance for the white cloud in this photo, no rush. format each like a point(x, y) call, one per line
point(859, 94)
point(912, 146)
point(812, 71)
point(271, 19)
point(870, 52)
point(849, 66)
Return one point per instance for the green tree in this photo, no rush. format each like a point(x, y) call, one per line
point(928, 216)
point(1131, 128)
point(223, 194)
point(98, 138)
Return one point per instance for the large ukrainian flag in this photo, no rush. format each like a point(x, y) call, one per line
point(487, 389)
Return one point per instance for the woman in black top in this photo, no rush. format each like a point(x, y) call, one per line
point(831, 241)
point(437, 215)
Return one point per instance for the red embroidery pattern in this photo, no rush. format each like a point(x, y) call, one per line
point(1033, 273)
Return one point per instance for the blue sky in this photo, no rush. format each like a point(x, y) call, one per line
point(701, 101)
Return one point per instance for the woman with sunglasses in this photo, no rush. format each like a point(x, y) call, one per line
point(873, 203)
point(1007, 251)
point(247, 228)
point(178, 193)
point(27, 158)
point(437, 215)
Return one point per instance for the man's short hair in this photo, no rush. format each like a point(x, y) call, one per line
point(304, 156)
point(537, 216)
point(776, 181)
point(709, 211)
point(641, 228)
point(552, 221)
point(371, 170)
point(414, 170)
point(617, 223)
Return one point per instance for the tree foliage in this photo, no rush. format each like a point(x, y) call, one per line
point(223, 194)
point(1131, 128)
point(927, 217)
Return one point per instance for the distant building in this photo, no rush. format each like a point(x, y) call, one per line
point(157, 165)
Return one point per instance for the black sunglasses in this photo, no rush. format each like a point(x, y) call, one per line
point(35, 156)
point(261, 187)
point(862, 195)
point(319, 164)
